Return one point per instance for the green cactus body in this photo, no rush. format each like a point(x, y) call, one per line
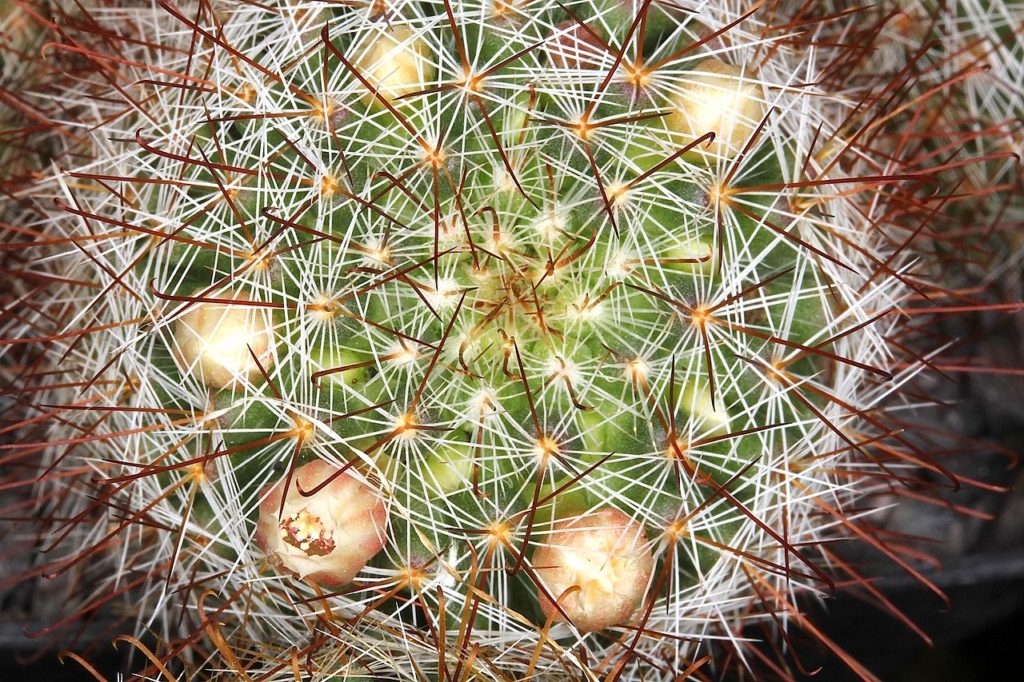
point(503, 293)
point(488, 309)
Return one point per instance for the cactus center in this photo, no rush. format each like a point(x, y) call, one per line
point(406, 426)
point(638, 76)
point(329, 186)
point(637, 370)
point(499, 532)
point(676, 448)
point(324, 309)
point(434, 157)
point(700, 317)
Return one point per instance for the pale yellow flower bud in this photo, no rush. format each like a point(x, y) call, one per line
point(213, 340)
point(395, 62)
point(719, 98)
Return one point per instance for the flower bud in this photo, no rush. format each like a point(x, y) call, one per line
point(395, 63)
point(450, 467)
point(719, 98)
point(213, 341)
point(698, 403)
point(597, 566)
point(328, 536)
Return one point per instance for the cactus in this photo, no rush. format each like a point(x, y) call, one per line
point(509, 339)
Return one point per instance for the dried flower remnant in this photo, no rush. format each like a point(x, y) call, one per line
point(326, 537)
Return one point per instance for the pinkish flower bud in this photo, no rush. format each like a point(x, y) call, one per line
point(327, 537)
point(597, 566)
